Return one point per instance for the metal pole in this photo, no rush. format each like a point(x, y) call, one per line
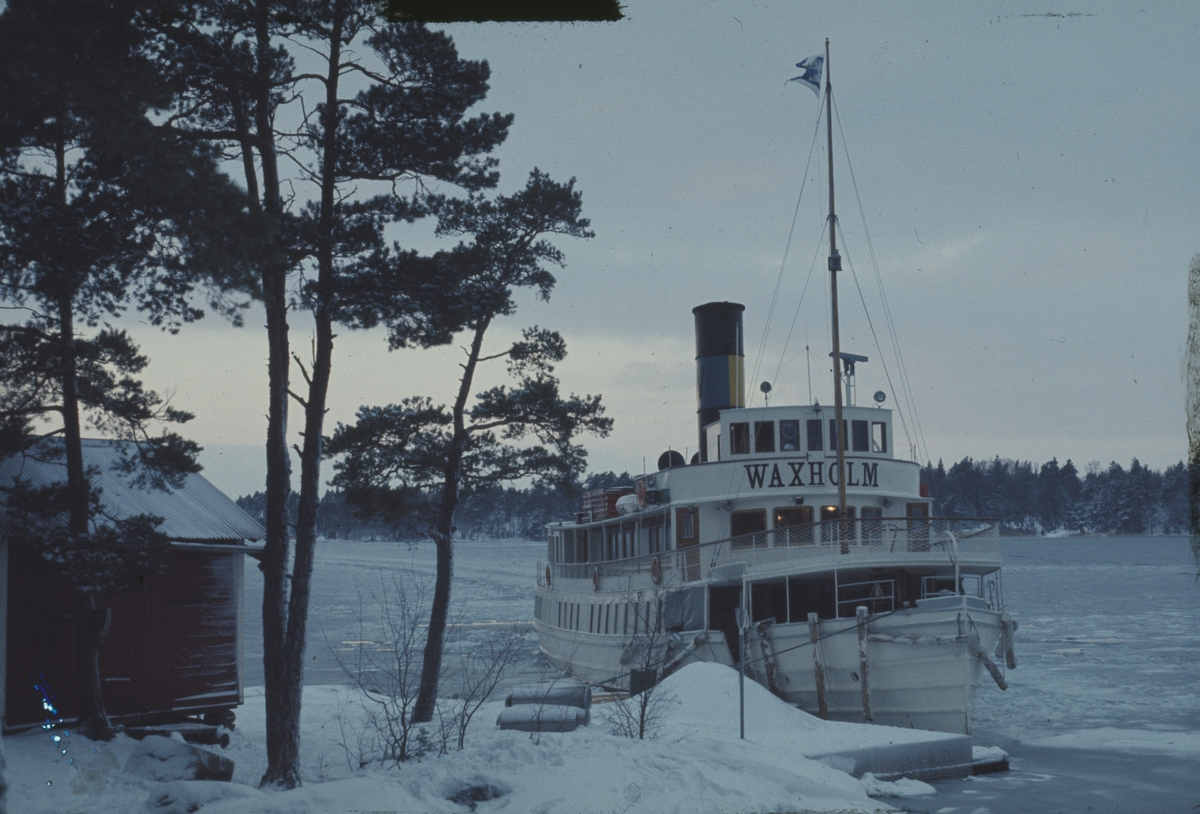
point(740, 617)
point(835, 265)
point(742, 683)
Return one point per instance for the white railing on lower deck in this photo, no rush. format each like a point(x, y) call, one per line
point(836, 540)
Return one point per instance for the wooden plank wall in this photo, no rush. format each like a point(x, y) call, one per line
point(172, 645)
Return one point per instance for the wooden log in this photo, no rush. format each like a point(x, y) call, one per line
point(818, 668)
point(1008, 627)
point(861, 613)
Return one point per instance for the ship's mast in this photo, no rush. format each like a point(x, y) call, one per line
point(835, 265)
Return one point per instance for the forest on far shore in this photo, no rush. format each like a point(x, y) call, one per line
point(1028, 498)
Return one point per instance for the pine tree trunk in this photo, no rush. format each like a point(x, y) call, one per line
point(284, 751)
point(443, 538)
point(435, 639)
point(282, 712)
point(93, 717)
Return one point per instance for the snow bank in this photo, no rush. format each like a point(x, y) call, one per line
point(903, 787)
point(696, 765)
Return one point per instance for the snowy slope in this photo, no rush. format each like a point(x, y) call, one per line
point(697, 764)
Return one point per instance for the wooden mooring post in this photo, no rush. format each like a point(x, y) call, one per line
point(861, 613)
point(818, 669)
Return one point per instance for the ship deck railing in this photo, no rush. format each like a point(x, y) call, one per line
point(838, 541)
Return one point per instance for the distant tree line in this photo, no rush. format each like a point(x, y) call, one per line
point(1032, 499)
point(1027, 498)
point(498, 513)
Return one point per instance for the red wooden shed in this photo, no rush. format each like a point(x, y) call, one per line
point(174, 646)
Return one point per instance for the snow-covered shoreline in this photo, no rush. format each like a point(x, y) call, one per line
point(696, 764)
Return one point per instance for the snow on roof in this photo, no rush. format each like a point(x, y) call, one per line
point(198, 511)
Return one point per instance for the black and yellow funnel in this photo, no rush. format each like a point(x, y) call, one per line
point(720, 365)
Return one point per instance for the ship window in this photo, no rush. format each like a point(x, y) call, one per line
point(797, 520)
point(834, 435)
point(712, 438)
point(859, 433)
point(872, 526)
point(687, 526)
point(739, 438)
point(792, 516)
point(807, 596)
point(878, 436)
point(764, 436)
point(972, 584)
point(768, 600)
point(814, 435)
point(654, 534)
point(751, 521)
point(789, 436)
point(831, 529)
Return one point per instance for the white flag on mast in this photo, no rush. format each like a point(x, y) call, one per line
point(811, 77)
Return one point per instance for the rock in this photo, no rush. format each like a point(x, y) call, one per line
point(164, 759)
point(189, 796)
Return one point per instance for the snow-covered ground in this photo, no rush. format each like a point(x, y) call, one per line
point(697, 764)
point(1103, 712)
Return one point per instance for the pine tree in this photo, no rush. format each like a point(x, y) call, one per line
point(101, 209)
point(366, 156)
point(396, 453)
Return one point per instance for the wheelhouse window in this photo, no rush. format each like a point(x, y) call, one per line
point(764, 436)
point(878, 436)
point(859, 439)
point(789, 436)
point(739, 438)
point(814, 435)
point(834, 435)
point(712, 440)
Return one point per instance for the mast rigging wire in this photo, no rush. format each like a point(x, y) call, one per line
point(762, 345)
point(906, 391)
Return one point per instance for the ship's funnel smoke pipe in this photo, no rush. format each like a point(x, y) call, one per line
point(720, 363)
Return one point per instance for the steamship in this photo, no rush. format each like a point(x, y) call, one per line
point(795, 545)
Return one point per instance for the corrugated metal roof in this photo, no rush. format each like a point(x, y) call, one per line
point(197, 511)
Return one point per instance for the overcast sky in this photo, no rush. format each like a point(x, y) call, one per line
point(1028, 173)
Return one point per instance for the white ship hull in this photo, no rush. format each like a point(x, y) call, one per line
point(919, 684)
point(921, 664)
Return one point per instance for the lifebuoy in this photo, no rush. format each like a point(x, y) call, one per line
point(548, 576)
point(595, 579)
point(656, 571)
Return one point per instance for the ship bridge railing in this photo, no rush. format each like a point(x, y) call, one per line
point(837, 540)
